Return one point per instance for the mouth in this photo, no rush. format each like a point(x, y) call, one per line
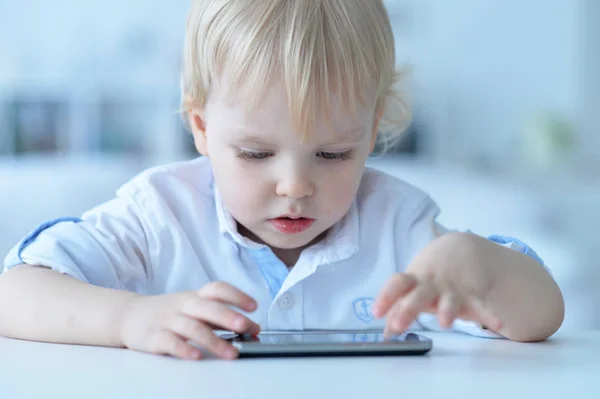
point(291, 224)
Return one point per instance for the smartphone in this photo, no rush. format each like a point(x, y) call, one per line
point(301, 344)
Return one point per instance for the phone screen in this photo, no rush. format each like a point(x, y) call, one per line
point(324, 338)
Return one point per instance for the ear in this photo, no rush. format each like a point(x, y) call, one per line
point(375, 131)
point(196, 116)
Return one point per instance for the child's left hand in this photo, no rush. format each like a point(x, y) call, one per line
point(447, 278)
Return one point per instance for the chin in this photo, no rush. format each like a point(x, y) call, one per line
point(289, 242)
point(275, 239)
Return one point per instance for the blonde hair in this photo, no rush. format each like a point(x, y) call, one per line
point(318, 48)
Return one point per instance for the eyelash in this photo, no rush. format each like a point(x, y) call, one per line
point(336, 156)
point(253, 156)
point(325, 156)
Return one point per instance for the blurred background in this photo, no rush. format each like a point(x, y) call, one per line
point(505, 96)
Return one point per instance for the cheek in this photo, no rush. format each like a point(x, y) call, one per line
point(339, 186)
point(230, 172)
point(242, 186)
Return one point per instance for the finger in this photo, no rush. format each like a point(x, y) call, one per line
point(448, 309)
point(171, 344)
point(482, 314)
point(219, 315)
point(398, 286)
point(253, 330)
point(228, 294)
point(195, 331)
point(405, 311)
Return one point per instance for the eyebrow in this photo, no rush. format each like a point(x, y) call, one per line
point(353, 135)
point(347, 137)
point(253, 139)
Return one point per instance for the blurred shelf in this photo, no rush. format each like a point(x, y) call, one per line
point(137, 124)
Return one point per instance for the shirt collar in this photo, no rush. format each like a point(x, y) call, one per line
point(340, 243)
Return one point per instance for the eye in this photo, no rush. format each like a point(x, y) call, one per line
point(335, 156)
point(253, 156)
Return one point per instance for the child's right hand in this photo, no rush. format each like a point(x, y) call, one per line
point(163, 324)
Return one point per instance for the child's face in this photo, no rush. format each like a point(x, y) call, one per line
point(266, 174)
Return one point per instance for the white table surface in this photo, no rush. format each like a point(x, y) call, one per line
point(567, 366)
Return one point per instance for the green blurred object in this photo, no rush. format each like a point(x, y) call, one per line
point(550, 141)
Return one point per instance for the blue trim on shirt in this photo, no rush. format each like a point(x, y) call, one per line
point(31, 237)
point(274, 271)
point(520, 246)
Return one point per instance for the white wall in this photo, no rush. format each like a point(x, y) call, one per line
point(483, 68)
point(65, 41)
point(590, 106)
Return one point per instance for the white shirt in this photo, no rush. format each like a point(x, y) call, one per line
point(167, 231)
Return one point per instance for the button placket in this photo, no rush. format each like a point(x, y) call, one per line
point(286, 301)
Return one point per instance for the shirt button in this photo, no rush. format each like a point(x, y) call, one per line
point(286, 301)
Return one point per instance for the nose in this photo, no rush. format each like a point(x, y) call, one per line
point(295, 185)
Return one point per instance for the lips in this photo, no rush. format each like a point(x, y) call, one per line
point(291, 225)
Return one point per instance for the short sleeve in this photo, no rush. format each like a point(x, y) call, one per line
point(517, 245)
point(108, 246)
